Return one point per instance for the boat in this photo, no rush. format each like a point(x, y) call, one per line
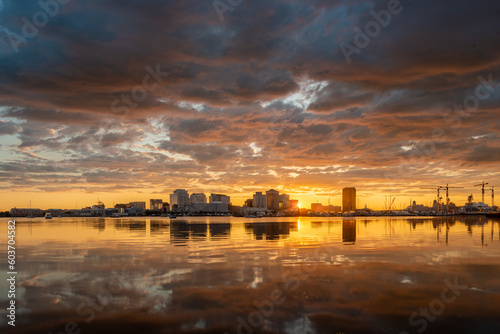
point(48, 216)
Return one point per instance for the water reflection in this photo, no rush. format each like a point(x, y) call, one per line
point(335, 275)
point(349, 232)
point(220, 231)
point(130, 225)
point(179, 232)
point(158, 226)
point(270, 230)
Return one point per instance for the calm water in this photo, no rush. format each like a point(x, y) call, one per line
point(236, 275)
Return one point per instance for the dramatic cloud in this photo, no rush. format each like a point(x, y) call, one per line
point(168, 95)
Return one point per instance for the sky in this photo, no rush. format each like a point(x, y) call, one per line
point(128, 100)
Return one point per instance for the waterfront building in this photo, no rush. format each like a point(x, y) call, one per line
point(259, 200)
point(165, 207)
point(98, 210)
point(273, 199)
point(55, 212)
point(294, 204)
point(155, 204)
point(219, 198)
point(334, 208)
point(197, 198)
point(284, 201)
point(349, 199)
point(141, 205)
point(122, 207)
point(136, 211)
point(15, 212)
point(179, 199)
point(317, 207)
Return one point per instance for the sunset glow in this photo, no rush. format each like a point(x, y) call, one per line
point(250, 167)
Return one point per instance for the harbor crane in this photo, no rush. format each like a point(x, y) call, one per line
point(481, 184)
point(447, 195)
point(439, 198)
point(492, 195)
point(438, 188)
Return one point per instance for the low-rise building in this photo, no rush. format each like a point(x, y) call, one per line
point(155, 204)
point(141, 205)
point(21, 212)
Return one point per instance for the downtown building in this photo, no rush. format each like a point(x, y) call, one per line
point(155, 204)
point(179, 200)
point(259, 200)
point(217, 204)
point(197, 198)
point(273, 200)
point(349, 199)
point(140, 205)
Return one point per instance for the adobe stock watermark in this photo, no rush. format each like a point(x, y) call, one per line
point(454, 116)
point(424, 315)
point(222, 6)
point(292, 280)
point(49, 9)
point(382, 19)
point(139, 93)
point(104, 297)
point(483, 91)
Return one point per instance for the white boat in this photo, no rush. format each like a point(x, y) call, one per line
point(48, 216)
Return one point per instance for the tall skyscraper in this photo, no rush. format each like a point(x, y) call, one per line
point(179, 199)
point(273, 199)
point(349, 199)
point(259, 200)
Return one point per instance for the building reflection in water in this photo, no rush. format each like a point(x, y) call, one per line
point(158, 226)
point(220, 231)
point(270, 230)
point(316, 224)
point(198, 231)
point(393, 259)
point(443, 225)
point(99, 224)
point(179, 232)
point(349, 232)
point(182, 231)
point(131, 225)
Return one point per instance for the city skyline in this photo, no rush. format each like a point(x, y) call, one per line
point(299, 97)
point(349, 200)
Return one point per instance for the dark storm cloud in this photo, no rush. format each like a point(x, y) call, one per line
point(271, 75)
point(8, 128)
point(484, 153)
